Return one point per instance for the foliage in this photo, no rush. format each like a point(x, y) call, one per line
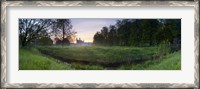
point(163, 48)
point(139, 32)
point(63, 42)
point(32, 29)
point(44, 41)
point(37, 30)
point(61, 29)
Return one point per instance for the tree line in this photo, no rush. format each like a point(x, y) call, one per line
point(139, 32)
point(42, 31)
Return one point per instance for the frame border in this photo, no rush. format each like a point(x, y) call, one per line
point(5, 4)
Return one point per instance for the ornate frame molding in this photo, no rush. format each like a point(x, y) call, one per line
point(5, 4)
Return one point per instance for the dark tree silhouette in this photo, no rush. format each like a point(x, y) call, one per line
point(62, 29)
point(32, 29)
point(139, 32)
point(44, 41)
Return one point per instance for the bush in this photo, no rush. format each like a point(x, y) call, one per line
point(45, 41)
point(163, 48)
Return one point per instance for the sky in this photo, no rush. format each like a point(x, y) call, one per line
point(87, 27)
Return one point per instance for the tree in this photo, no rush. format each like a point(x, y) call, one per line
point(112, 35)
point(139, 32)
point(44, 41)
point(98, 38)
point(62, 29)
point(104, 33)
point(32, 29)
point(149, 27)
point(170, 29)
point(62, 42)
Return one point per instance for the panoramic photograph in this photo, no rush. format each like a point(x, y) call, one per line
point(99, 44)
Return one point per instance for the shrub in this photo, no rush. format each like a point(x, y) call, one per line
point(163, 48)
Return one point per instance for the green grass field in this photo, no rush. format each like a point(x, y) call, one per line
point(97, 58)
point(31, 59)
point(100, 54)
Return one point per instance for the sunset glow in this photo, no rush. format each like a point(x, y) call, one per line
point(87, 27)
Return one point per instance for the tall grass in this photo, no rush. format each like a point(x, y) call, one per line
point(163, 48)
point(31, 59)
point(101, 54)
point(170, 62)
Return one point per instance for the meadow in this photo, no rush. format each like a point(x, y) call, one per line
point(97, 58)
point(119, 44)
